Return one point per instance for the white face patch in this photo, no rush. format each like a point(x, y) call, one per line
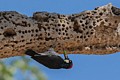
point(67, 61)
point(118, 29)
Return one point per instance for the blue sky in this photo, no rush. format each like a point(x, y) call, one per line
point(86, 67)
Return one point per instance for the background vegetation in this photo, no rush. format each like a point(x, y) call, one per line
point(11, 67)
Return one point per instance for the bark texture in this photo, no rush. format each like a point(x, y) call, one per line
point(90, 32)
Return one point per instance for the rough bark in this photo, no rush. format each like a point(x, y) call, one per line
point(90, 32)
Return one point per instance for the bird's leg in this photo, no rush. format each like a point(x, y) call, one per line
point(65, 55)
point(66, 60)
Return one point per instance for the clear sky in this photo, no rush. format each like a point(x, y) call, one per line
point(86, 67)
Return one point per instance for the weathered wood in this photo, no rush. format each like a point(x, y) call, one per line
point(89, 32)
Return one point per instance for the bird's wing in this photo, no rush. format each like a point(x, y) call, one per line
point(49, 52)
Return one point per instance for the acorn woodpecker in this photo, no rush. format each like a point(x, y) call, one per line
point(51, 59)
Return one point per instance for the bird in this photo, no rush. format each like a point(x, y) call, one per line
point(51, 59)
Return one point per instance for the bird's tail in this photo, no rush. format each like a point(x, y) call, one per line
point(30, 52)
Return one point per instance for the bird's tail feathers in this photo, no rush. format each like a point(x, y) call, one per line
point(30, 52)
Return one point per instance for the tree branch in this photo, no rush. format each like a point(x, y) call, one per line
point(89, 32)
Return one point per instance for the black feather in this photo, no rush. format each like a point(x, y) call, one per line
point(53, 61)
point(50, 61)
point(30, 52)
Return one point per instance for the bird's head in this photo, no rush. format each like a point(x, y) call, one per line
point(67, 64)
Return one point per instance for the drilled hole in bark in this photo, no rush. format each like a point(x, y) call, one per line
point(76, 27)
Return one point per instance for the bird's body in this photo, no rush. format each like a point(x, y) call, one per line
point(50, 59)
point(54, 62)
